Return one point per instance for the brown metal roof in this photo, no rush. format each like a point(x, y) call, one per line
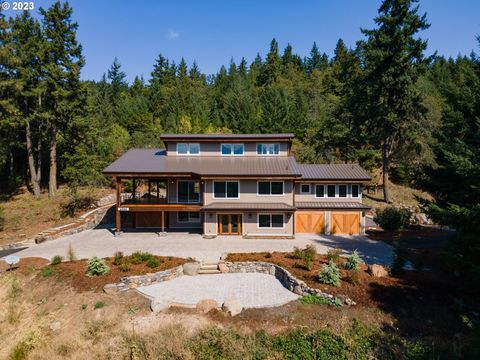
point(171, 137)
point(154, 161)
point(333, 172)
point(248, 206)
point(331, 205)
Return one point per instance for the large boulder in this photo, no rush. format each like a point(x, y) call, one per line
point(191, 268)
point(207, 305)
point(232, 306)
point(377, 270)
point(158, 305)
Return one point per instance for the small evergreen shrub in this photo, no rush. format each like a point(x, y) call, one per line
point(117, 258)
point(330, 274)
point(353, 261)
point(98, 305)
point(97, 267)
point(47, 271)
point(334, 255)
point(153, 262)
point(57, 259)
point(140, 257)
point(392, 218)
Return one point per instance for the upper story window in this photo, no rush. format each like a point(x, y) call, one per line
point(331, 191)
point(270, 188)
point(232, 149)
point(305, 188)
point(268, 149)
point(188, 191)
point(188, 148)
point(355, 190)
point(226, 190)
point(342, 191)
point(319, 191)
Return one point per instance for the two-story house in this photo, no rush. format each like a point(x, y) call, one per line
point(236, 184)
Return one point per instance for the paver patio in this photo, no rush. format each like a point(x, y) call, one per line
point(102, 242)
point(252, 290)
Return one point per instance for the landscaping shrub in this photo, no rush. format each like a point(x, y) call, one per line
point(353, 277)
point(140, 257)
point(334, 255)
point(124, 266)
point(307, 255)
point(315, 299)
point(99, 304)
point(57, 259)
point(353, 261)
point(268, 255)
point(47, 271)
point(329, 274)
point(153, 262)
point(84, 306)
point(97, 267)
point(392, 218)
point(117, 258)
point(399, 259)
point(71, 253)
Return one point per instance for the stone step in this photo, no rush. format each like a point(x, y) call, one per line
point(209, 267)
point(205, 272)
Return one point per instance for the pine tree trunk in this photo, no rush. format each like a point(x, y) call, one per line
point(52, 181)
point(35, 176)
point(385, 161)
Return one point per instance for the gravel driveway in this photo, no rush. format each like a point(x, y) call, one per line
point(101, 242)
point(251, 289)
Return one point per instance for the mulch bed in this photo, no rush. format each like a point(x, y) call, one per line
point(73, 272)
point(25, 265)
point(366, 290)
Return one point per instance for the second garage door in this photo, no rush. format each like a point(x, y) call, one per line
point(345, 222)
point(312, 222)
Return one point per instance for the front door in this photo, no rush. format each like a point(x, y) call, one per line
point(229, 224)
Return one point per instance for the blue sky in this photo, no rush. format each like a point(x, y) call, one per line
point(212, 32)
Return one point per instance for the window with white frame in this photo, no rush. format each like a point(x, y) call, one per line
point(270, 221)
point(268, 149)
point(226, 190)
point(355, 191)
point(331, 191)
point(188, 217)
point(188, 148)
point(232, 149)
point(319, 190)
point(305, 188)
point(342, 191)
point(265, 188)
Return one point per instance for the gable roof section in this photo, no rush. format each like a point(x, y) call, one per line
point(333, 172)
point(154, 161)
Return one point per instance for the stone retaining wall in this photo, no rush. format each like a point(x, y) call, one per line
point(132, 282)
point(290, 282)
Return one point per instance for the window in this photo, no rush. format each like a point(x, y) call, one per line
point(268, 149)
point(342, 191)
point(305, 188)
point(188, 191)
point(188, 149)
point(270, 188)
point(355, 191)
point(232, 149)
point(270, 221)
point(331, 191)
point(187, 216)
point(226, 190)
point(319, 191)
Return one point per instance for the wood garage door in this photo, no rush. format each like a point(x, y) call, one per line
point(149, 219)
point(312, 222)
point(345, 222)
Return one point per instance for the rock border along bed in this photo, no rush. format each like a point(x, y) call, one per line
point(289, 281)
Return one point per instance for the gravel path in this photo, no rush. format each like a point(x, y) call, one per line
point(101, 242)
point(251, 289)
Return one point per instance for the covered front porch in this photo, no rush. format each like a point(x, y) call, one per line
point(172, 202)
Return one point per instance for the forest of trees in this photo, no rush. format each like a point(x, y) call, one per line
point(383, 104)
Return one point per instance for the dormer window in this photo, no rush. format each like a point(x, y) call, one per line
point(188, 148)
point(268, 149)
point(232, 149)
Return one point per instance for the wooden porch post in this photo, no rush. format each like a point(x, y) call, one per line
point(163, 221)
point(118, 224)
